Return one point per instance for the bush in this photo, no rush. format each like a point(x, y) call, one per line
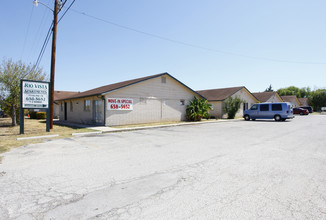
point(37, 115)
point(198, 109)
point(32, 115)
point(40, 115)
point(231, 106)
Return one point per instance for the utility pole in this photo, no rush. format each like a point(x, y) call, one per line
point(54, 44)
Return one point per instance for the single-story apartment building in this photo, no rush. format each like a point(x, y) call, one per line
point(304, 101)
point(268, 96)
point(155, 98)
point(292, 99)
point(217, 97)
point(58, 95)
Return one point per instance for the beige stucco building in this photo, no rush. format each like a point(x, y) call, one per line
point(58, 95)
point(293, 99)
point(268, 96)
point(217, 97)
point(155, 98)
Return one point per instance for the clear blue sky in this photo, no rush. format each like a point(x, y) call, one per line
point(208, 44)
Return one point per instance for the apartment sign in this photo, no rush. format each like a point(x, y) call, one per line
point(35, 94)
point(123, 104)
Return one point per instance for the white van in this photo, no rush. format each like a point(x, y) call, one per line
point(279, 111)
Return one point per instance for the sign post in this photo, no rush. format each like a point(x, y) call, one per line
point(34, 95)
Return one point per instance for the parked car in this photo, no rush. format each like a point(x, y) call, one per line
point(309, 108)
point(279, 111)
point(300, 111)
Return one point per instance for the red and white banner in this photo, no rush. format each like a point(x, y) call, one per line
point(120, 104)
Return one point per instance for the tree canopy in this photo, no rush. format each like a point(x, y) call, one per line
point(317, 97)
point(11, 73)
point(269, 89)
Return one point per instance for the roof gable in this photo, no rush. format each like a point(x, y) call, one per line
point(264, 96)
point(291, 98)
point(219, 94)
point(112, 87)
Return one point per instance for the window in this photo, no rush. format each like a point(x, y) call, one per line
point(254, 107)
point(276, 107)
point(182, 102)
point(264, 107)
point(71, 107)
point(163, 79)
point(87, 105)
point(245, 106)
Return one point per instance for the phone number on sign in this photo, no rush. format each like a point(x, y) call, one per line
point(120, 107)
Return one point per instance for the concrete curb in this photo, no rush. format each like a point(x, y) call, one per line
point(168, 125)
point(86, 133)
point(37, 137)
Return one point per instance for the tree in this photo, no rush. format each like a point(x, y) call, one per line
point(318, 99)
point(292, 90)
point(10, 75)
point(231, 106)
point(269, 89)
point(198, 109)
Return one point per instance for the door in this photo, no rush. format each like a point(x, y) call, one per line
point(98, 112)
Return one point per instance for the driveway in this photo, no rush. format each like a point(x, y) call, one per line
point(226, 170)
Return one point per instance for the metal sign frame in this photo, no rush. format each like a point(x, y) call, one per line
point(44, 108)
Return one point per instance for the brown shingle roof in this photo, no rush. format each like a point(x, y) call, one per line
point(219, 94)
point(263, 96)
point(304, 101)
point(63, 94)
point(288, 98)
point(108, 88)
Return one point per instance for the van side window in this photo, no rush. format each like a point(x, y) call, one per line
point(276, 107)
point(264, 107)
point(254, 107)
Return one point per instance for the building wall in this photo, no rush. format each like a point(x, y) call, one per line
point(78, 114)
point(153, 101)
point(218, 111)
point(274, 98)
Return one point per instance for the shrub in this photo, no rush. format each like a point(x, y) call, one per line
point(231, 106)
point(32, 115)
point(37, 115)
point(40, 115)
point(198, 109)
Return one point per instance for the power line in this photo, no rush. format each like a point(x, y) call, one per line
point(27, 31)
point(45, 43)
point(47, 38)
point(193, 45)
point(66, 10)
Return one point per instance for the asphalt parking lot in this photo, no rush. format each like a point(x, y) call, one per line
point(225, 170)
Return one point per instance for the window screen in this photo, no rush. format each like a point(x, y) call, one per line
point(264, 107)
